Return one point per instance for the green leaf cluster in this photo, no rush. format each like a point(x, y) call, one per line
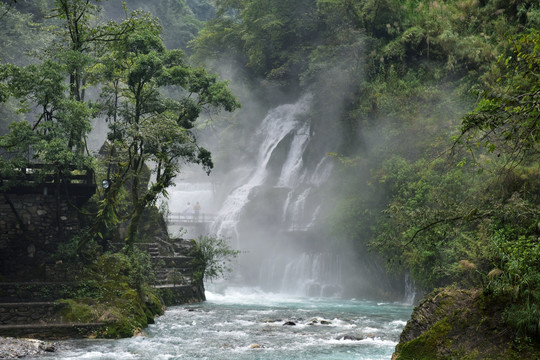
point(216, 255)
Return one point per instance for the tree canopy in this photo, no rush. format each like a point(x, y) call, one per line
point(149, 95)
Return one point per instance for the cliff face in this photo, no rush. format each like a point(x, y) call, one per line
point(460, 324)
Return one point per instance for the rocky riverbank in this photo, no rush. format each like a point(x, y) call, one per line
point(11, 348)
point(461, 324)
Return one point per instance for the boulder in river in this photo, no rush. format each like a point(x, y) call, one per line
point(352, 337)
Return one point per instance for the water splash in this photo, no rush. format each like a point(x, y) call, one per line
point(307, 274)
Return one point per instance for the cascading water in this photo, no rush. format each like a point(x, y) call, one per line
point(279, 123)
point(272, 207)
point(410, 291)
point(300, 272)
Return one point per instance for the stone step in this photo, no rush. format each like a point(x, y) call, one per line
point(172, 280)
point(174, 261)
point(173, 275)
point(51, 331)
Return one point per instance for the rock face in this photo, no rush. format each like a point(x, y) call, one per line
point(459, 324)
point(40, 297)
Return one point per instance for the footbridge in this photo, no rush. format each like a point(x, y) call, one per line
point(190, 219)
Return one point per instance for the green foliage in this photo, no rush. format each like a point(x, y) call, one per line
point(141, 271)
point(181, 20)
point(71, 252)
point(115, 290)
point(426, 346)
point(518, 273)
point(267, 36)
point(152, 98)
point(507, 118)
point(56, 137)
point(21, 33)
point(216, 255)
point(149, 95)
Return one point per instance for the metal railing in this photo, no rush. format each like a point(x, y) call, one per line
point(190, 218)
point(45, 173)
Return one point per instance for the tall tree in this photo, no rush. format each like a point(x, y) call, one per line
point(152, 98)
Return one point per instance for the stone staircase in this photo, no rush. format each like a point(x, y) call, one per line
point(175, 273)
point(28, 309)
point(171, 266)
point(31, 309)
point(174, 270)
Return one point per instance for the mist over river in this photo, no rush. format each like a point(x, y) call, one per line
point(246, 323)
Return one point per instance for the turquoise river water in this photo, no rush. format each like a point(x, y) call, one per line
point(249, 324)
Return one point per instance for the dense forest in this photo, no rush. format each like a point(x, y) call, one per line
point(431, 107)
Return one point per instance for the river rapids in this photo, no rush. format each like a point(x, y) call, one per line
point(245, 323)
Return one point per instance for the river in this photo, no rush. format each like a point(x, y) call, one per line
point(245, 323)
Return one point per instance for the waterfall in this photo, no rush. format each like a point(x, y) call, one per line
point(295, 217)
point(410, 291)
point(296, 212)
point(279, 123)
point(282, 184)
point(292, 166)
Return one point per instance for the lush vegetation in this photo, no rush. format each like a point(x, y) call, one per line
point(114, 290)
point(431, 107)
point(149, 96)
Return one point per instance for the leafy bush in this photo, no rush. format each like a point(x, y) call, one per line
point(216, 255)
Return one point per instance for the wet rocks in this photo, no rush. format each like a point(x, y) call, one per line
point(289, 323)
point(271, 321)
point(351, 337)
point(11, 348)
point(316, 321)
point(451, 322)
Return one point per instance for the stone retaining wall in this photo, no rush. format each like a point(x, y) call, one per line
point(28, 313)
point(31, 227)
point(52, 331)
point(12, 292)
point(181, 294)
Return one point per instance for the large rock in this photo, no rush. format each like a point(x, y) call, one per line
point(459, 324)
point(11, 348)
